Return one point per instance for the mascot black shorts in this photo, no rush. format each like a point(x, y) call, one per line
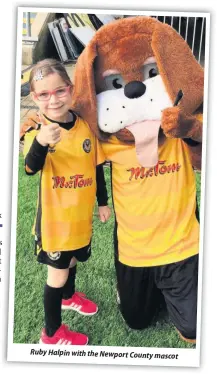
point(141, 290)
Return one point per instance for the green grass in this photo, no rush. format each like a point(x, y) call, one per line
point(96, 278)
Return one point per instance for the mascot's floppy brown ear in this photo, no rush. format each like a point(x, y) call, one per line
point(180, 70)
point(178, 67)
point(84, 95)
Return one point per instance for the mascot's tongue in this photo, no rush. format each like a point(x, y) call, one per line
point(146, 141)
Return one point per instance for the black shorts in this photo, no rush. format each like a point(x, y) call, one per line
point(141, 290)
point(62, 259)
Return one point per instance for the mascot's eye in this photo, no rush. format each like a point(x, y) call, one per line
point(150, 70)
point(116, 84)
point(152, 73)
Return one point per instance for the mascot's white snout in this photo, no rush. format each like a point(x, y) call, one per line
point(116, 111)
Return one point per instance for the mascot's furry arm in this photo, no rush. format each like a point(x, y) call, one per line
point(31, 123)
point(177, 124)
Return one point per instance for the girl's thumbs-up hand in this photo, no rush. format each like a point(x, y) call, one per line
point(48, 134)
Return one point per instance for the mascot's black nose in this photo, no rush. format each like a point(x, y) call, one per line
point(134, 89)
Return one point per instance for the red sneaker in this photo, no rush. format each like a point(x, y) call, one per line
point(80, 304)
point(64, 336)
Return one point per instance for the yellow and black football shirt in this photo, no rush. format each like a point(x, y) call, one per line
point(154, 207)
point(67, 187)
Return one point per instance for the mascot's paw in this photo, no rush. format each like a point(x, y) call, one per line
point(170, 122)
point(177, 124)
point(31, 122)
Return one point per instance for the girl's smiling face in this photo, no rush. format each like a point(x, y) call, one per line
point(57, 105)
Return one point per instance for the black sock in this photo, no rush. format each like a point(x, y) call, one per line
point(52, 309)
point(69, 286)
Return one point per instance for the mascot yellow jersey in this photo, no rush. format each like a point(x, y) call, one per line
point(67, 189)
point(155, 207)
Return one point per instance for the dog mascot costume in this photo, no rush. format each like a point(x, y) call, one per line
point(127, 86)
point(140, 89)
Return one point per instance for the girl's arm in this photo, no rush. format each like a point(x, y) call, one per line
point(101, 190)
point(35, 158)
point(102, 196)
point(36, 145)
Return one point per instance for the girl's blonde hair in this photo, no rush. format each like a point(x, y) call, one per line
point(46, 67)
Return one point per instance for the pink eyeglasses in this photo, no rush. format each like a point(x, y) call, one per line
point(46, 95)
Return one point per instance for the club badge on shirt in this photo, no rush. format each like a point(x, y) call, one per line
point(51, 149)
point(87, 145)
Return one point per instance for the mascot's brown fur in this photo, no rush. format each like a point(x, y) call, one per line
point(124, 45)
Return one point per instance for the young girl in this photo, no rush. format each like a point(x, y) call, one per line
point(62, 147)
